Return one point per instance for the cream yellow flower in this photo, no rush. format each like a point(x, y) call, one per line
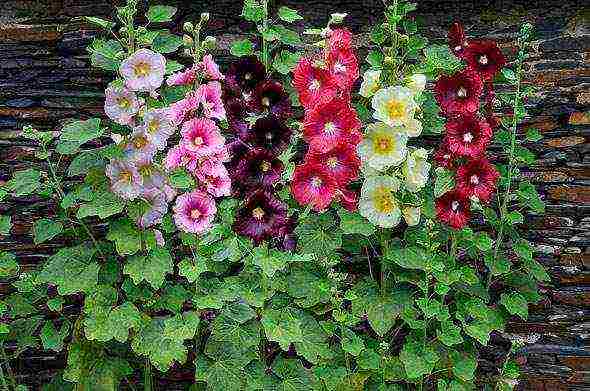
point(378, 203)
point(416, 169)
point(383, 146)
point(411, 215)
point(394, 106)
point(370, 83)
point(417, 83)
point(413, 128)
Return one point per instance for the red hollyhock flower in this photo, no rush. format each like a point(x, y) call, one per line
point(262, 217)
point(444, 157)
point(468, 135)
point(348, 198)
point(258, 168)
point(485, 58)
point(341, 162)
point(314, 185)
point(477, 178)
point(313, 84)
point(343, 67)
point(459, 93)
point(270, 133)
point(453, 209)
point(270, 96)
point(339, 39)
point(457, 41)
point(330, 123)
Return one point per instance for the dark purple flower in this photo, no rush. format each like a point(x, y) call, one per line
point(270, 96)
point(258, 168)
point(270, 133)
point(244, 75)
point(237, 112)
point(262, 217)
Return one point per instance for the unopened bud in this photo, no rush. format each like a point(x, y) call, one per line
point(209, 42)
point(187, 40)
point(337, 18)
point(205, 17)
point(388, 60)
point(188, 27)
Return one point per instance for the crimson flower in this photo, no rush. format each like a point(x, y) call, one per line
point(314, 185)
point(348, 199)
point(270, 133)
point(444, 157)
point(453, 209)
point(313, 84)
point(245, 74)
point(468, 135)
point(262, 217)
point(457, 41)
point(270, 96)
point(477, 178)
point(459, 93)
point(330, 123)
point(343, 67)
point(339, 39)
point(341, 162)
point(485, 58)
point(257, 168)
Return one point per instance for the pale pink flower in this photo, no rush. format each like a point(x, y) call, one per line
point(218, 184)
point(138, 145)
point(158, 127)
point(151, 176)
point(159, 238)
point(121, 105)
point(201, 136)
point(210, 68)
point(182, 78)
point(194, 212)
point(125, 179)
point(157, 208)
point(143, 70)
point(210, 99)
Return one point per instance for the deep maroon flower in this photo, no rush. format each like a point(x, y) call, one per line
point(270, 96)
point(313, 185)
point(348, 199)
point(444, 157)
point(453, 209)
point(477, 178)
point(270, 133)
point(262, 217)
point(459, 93)
point(468, 135)
point(258, 168)
point(287, 237)
point(485, 58)
point(244, 75)
point(457, 41)
point(237, 111)
point(341, 162)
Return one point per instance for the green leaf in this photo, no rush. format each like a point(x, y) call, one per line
point(378, 34)
point(102, 23)
point(103, 204)
point(104, 322)
point(411, 257)
point(533, 135)
point(5, 224)
point(222, 366)
point(253, 11)
point(53, 339)
point(192, 269)
point(162, 348)
point(166, 42)
point(529, 197)
point(282, 326)
point(77, 133)
point(72, 270)
point(375, 59)
point(464, 365)
point(46, 229)
point(449, 333)
point(87, 160)
point(8, 265)
point(181, 179)
point(24, 182)
point(160, 13)
point(287, 36)
point(509, 75)
point(151, 268)
point(483, 241)
point(314, 346)
point(106, 54)
point(444, 182)
point(369, 359)
point(126, 236)
point(418, 360)
point(242, 47)
point(289, 15)
point(294, 377)
point(439, 59)
point(285, 61)
point(515, 304)
point(319, 235)
point(354, 223)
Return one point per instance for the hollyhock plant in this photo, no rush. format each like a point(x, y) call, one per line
point(459, 93)
point(453, 209)
point(477, 178)
point(258, 168)
point(185, 108)
point(209, 96)
point(121, 105)
point(485, 58)
point(201, 136)
point(383, 146)
point(314, 85)
point(125, 179)
point(194, 212)
point(417, 83)
point(183, 78)
point(468, 135)
point(343, 66)
point(394, 105)
point(378, 203)
point(341, 162)
point(328, 123)
point(262, 217)
point(270, 96)
point(313, 185)
point(210, 69)
point(143, 70)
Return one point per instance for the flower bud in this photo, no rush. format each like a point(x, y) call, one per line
point(187, 40)
point(209, 42)
point(205, 17)
point(188, 27)
point(388, 60)
point(337, 18)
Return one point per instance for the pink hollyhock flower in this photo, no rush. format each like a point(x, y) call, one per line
point(341, 162)
point(210, 68)
point(194, 212)
point(313, 185)
point(485, 58)
point(209, 96)
point(158, 127)
point(143, 70)
point(182, 78)
point(159, 238)
point(125, 179)
point(459, 93)
point(343, 67)
point(121, 105)
point(348, 199)
point(179, 156)
point(157, 208)
point(201, 136)
point(218, 185)
point(210, 166)
point(339, 39)
point(170, 192)
point(468, 135)
point(477, 178)
point(151, 176)
point(453, 209)
point(330, 123)
point(185, 108)
point(314, 85)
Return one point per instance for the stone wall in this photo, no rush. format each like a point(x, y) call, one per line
point(45, 79)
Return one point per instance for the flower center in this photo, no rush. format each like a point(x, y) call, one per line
point(146, 170)
point(383, 200)
point(383, 145)
point(474, 180)
point(268, 136)
point(483, 59)
point(153, 126)
point(124, 103)
point(140, 142)
point(455, 206)
point(125, 176)
point(339, 67)
point(330, 128)
point(462, 92)
point(396, 109)
point(258, 213)
point(142, 69)
point(458, 48)
point(248, 76)
point(265, 166)
point(198, 141)
point(316, 182)
point(332, 162)
point(266, 101)
point(195, 214)
point(468, 137)
point(314, 85)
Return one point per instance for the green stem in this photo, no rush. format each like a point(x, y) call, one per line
point(147, 376)
point(265, 60)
